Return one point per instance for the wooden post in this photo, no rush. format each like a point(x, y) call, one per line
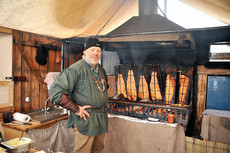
point(201, 99)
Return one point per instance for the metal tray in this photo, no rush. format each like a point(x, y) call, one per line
point(13, 146)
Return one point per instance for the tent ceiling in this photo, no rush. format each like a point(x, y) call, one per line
point(219, 9)
point(65, 18)
point(71, 18)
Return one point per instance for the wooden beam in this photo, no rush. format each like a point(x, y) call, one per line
point(35, 99)
point(24, 43)
point(17, 64)
point(26, 91)
point(6, 30)
point(206, 71)
point(201, 99)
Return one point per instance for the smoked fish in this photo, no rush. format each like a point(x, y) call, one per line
point(184, 83)
point(170, 88)
point(143, 88)
point(131, 86)
point(154, 87)
point(121, 89)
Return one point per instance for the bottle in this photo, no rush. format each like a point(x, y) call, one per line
point(16, 78)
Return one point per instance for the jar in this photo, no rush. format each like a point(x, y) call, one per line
point(171, 118)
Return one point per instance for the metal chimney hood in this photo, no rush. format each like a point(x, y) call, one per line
point(147, 21)
point(148, 26)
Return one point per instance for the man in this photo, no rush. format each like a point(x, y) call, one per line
point(82, 89)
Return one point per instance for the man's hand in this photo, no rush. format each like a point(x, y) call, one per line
point(82, 112)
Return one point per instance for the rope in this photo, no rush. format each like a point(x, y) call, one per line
point(111, 17)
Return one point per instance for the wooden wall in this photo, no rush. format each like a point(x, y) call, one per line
point(24, 64)
point(72, 58)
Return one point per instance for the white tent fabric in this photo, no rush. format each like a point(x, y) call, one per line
point(63, 19)
point(72, 18)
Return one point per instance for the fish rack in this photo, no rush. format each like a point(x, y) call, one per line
point(165, 98)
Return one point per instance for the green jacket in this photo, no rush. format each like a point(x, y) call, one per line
point(77, 81)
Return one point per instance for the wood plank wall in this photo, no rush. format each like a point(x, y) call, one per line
point(25, 42)
point(72, 58)
point(112, 86)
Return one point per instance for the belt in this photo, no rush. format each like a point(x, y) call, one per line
point(97, 110)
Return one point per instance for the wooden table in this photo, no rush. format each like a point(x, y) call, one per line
point(13, 130)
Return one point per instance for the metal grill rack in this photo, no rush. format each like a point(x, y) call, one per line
point(175, 101)
point(182, 113)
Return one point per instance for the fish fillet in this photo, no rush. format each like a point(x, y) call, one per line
point(184, 82)
point(154, 87)
point(143, 88)
point(121, 86)
point(131, 86)
point(170, 88)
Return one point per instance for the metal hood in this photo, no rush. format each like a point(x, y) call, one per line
point(148, 26)
point(147, 21)
point(145, 24)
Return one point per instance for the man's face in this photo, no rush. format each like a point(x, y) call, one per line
point(93, 55)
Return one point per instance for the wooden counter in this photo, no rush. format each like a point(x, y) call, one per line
point(12, 130)
point(131, 135)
